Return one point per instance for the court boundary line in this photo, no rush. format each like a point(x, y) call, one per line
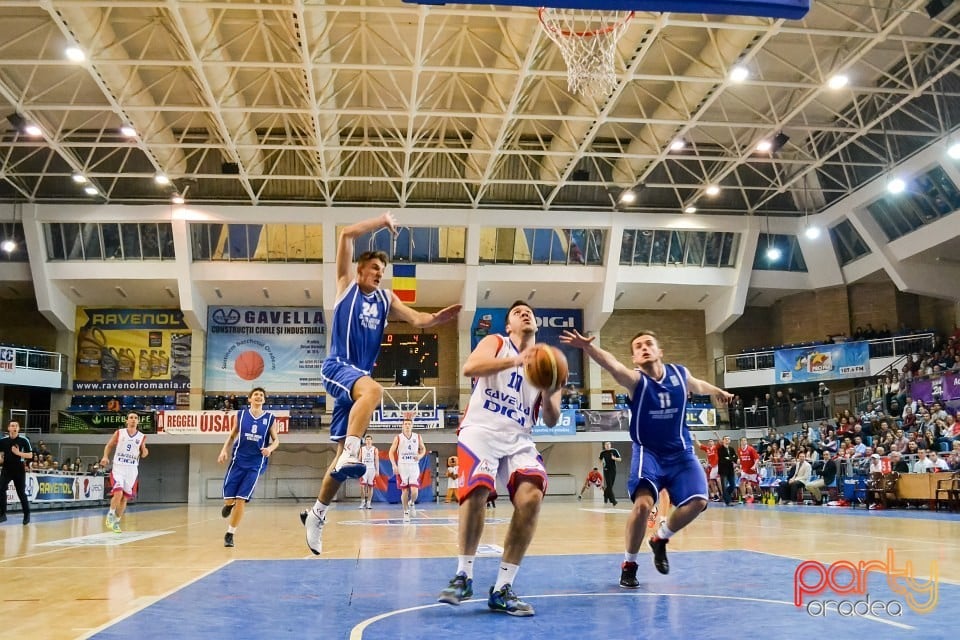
point(356, 633)
point(153, 600)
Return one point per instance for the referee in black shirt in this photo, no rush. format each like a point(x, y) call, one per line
point(16, 450)
point(609, 458)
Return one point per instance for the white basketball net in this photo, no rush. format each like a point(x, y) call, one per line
point(588, 43)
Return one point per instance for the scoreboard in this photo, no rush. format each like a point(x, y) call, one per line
point(407, 351)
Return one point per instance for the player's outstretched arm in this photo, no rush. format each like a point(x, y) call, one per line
point(345, 270)
point(704, 388)
point(626, 378)
point(422, 319)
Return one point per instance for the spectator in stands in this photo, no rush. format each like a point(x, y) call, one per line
point(749, 478)
point(726, 466)
point(771, 405)
point(827, 477)
point(876, 463)
point(823, 392)
point(794, 486)
point(42, 451)
point(897, 463)
point(935, 462)
point(859, 448)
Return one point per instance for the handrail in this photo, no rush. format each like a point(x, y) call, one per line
point(27, 358)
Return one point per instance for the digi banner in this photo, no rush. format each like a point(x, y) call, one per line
point(944, 389)
point(205, 423)
point(132, 350)
point(277, 348)
point(59, 488)
point(566, 425)
point(550, 324)
point(103, 421)
point(822, 362)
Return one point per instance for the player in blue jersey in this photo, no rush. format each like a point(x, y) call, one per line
point(663, 456)
point(360, 315)
point(250, 442)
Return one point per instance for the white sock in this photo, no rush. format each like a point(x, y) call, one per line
point(630, 557)
point(664, 532)
point(506, 575)
point(319, 509)
point(465, 565)
point(113, 512)
point(352, 444)
point(231, 529)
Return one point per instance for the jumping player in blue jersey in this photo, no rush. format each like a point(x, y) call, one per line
point(663, 456)
point(360, 314)
point(250, 442)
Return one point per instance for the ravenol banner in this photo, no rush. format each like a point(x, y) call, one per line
point(277, 348)
point(550, 324)
point(822, 362)
point(132, 350)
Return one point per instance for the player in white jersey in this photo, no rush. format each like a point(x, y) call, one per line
point(405, 454)
point(131, 447)
point(495, 441)
point(370, 457)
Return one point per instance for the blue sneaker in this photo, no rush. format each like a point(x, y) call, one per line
point(506, 601)
point(459, 589)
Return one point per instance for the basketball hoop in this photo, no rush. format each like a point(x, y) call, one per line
point(588, 41)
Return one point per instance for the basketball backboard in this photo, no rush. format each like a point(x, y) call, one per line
point(790, 9)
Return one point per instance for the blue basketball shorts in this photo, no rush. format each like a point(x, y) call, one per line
point(338, 380)
point(239, 482)
point(680, 474)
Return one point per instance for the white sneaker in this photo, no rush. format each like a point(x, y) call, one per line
point(413, 511)
point(313, 527)
point(369, 506)
point(363, 505)
point(348, 466)
point(406, 516)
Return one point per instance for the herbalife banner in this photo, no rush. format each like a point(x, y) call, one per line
point(550, 324)
point(278, 348)
point(822, 362)
point(132, 350)
point(103, 421)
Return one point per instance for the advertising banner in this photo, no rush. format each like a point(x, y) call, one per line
point(33, 369)
point(945, 389)
point(277, 348)
point(613, 420)
point(550, 324)
point(206, 423)
point(55, 487)
point(566, 425)
point(132, 350)
point(822, 362)
point(701, 416)
point(103, 421)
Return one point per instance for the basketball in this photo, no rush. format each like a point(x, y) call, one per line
point(547, 368)
point(248, 365)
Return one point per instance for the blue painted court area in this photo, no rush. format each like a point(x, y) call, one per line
point(708, 594)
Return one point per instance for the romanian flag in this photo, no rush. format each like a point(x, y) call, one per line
point(405, 282)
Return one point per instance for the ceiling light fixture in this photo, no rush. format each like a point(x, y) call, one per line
point(739, 73)
point(79, 178)
point(628, 196)
point(773, 254)
point(678, 144)
point(896, 185)
point(33, 130)
point(128, 131)
point(712, 190)
point(8, 245)
point(91, 191)
point(764, 146)
point(838, 81)
point(177, 199)
point(690, 209)
point(954, 150)
point(161, 179)
point(74, 54)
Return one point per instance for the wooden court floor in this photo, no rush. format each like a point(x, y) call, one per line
point(65, 576)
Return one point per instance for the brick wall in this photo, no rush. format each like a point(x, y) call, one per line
point(22, 324)
point(755, 328)
point(681, 333)
point(812, 315)
point(873, 303)
point(448, 357)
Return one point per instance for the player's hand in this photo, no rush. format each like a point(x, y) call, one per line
point(447, 314)
point(103, 462)
point(266, 451)
point(723, 398)
point(15, 450)
point(222, 457)
point(574, 338)
point(389, 221)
